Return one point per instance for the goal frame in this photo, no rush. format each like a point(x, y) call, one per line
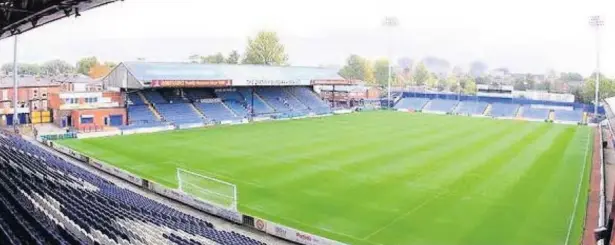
point(180, 188)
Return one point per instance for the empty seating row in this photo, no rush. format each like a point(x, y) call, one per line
point(504, 110)
point(259, 105)
point(216, 111)
point(179, 113)
point(441, 105)
point(411, 103)
point(310, 99)
point(570, 116)
point(46, 200)
point(140, 114)
point(472, 107)
point(535, 113)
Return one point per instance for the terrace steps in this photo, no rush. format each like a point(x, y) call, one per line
point(292, 95)
point(156, 113)
point(258, 96)
point(426, 105)
point(229, 109)
point(456, 107)
point(487, 110)
point(143, 98)
point(519, 112)
point(197, 111)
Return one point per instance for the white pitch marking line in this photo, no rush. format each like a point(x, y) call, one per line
point(576, 200)
point(416, 208)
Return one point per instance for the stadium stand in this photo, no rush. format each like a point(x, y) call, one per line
point(535, 113)
point(172, 97)
point(503, 110)
point(411, 103)
point(46, 200)
point(472, 107)
point(259, 105)
point(310, 99)
point(275, 97)
point(154, 97)
point(135, 99)
point(141, 114)
point(569, 116)
point(198, 94)
point(442, 105)
point(179, 113)
point(216, 111)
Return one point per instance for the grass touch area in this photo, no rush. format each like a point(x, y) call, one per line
point(384, 177)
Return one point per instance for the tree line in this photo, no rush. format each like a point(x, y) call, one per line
point(86, 66)
point(263, 49)
point(376, 72)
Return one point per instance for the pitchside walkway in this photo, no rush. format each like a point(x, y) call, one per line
point(220, 224)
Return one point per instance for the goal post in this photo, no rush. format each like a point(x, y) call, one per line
point(208, 189)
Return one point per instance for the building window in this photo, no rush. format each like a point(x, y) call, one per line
point(87, 119)
point(44, 106)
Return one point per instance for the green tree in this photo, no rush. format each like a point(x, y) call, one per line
point(56, 67)
point(469, 87)
point(381, 72)
point(213, 59)
point(452, 83)
point(22, 69)
point(432, 81)
point(265, 49)
point(233, 57)
point(607, 88)
point(356, 67)
point(84, 64)
point(110, 64)
point(421, 74)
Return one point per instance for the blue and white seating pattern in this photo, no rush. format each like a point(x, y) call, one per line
point(259, 105)
point(275, 97)
point(216, 111)
point(472, 107)
point(535, 113)
point(140, 114)
point(179, 113)
point(504, 110)
point(135, 99)
point(569, 116)
point(46, 200)
point(441, 105)
point(310, 99)
point(411, 103)
point(154, 97)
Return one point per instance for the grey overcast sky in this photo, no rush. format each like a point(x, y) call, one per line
point(523, 35)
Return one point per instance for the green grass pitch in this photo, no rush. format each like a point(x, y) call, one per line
point(384, 177)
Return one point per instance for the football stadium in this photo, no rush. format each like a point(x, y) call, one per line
point(190, 153)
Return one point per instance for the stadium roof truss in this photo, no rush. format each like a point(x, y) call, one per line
point(19, 16)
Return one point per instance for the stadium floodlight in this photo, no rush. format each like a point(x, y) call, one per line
point(597, 22)
point(15, 85)
point(391, 22)
point(208, 189)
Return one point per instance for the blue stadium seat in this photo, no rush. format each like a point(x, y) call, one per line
point(535, 113)
point(411, 103)
point(441, 105)
point(472, 107)
point(569, 116)
point(217, 111)
point(46, 200)
point(504, 110)
point(179, 113)
point(310, 99)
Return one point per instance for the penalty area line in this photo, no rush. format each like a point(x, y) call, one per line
point(576, 199)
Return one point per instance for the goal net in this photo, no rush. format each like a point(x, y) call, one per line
point(208, 189)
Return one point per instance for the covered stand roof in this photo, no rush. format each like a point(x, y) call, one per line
point(137, 75)
point(19, 16)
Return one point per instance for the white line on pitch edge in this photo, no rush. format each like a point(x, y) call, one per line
point(576, 199)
